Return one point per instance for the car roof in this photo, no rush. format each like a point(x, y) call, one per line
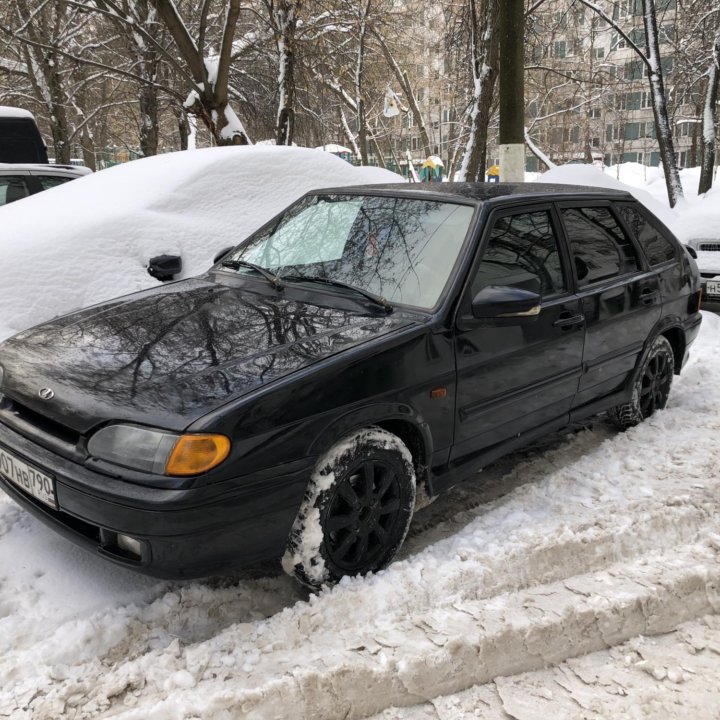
point(484, 191)
point(45, 168)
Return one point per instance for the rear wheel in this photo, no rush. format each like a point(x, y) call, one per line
point(652, 386)
point(356, 511)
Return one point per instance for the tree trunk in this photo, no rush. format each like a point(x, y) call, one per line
point(485, 48)
point(659, 100)
point(148, 69)
point(209, 99)
point(362, 137)
point(148, 120)
point(707, 170)
point(284, 23)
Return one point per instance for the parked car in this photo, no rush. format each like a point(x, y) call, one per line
point(20, 181)
point(707, 250)
point(366, 346)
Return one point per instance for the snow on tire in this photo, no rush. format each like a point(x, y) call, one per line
point(356, 510)
point(652, 386)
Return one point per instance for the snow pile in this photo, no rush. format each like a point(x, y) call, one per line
point(583, 544)
point(695, 217)
point(577, 174)
point(91, 239)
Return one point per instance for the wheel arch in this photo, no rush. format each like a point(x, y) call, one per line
point(400, 420)
point(675, 335)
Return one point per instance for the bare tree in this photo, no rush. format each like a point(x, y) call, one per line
point(708, 125)
point(485, 51)
point(208, 99)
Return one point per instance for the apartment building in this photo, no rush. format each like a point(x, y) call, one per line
point(587, 89)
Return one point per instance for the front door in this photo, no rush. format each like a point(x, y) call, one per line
point(514, 379)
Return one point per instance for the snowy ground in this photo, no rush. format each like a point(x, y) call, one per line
point(580, 544)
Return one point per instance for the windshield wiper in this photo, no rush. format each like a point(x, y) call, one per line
point(273, 279)
point(375, 299)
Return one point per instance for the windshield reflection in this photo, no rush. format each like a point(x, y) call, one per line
point(397, 248)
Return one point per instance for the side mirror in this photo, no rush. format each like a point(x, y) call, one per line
point(506, 305)
point(691, 251)
point(165, 267)
point(219, 256)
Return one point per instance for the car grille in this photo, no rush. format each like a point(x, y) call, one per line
point(709, 247)
point(40, 429)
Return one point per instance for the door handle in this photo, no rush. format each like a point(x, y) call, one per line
point(648, 295)
point(566, 320)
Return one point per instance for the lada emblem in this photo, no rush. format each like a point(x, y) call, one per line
point(46, 394)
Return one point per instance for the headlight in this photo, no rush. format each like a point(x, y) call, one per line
point(158, 451)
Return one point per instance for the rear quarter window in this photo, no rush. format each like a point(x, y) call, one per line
point(657, 248)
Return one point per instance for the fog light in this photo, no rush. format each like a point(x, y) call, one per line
point(130, 545)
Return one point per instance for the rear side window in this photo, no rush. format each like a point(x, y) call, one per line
point(658, 249)
point(522, 252)
point(12, 188)
point(600, 248)
point(51, 181)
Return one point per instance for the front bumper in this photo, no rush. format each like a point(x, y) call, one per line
point(184, 533)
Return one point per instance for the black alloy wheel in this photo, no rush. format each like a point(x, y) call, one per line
point(356, 511)
point(363, 518)
point(655, 384)
point(652, 385)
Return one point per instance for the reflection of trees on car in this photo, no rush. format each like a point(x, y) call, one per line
point(522, 252)
point(399, 248)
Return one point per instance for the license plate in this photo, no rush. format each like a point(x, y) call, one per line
point(713, 287)
point(27, 478)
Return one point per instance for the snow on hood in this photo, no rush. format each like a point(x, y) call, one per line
point(595, 177)
point(90, 240)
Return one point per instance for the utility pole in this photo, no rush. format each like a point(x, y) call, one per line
point(512, 91)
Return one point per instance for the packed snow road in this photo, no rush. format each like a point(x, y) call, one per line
point(580, 544)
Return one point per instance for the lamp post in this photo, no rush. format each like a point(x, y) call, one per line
point(512, 91)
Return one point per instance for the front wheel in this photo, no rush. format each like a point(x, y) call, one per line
point(652, 386)
point(356, 510)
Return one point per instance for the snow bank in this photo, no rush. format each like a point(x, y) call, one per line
point(595, 177)
point(90, 240)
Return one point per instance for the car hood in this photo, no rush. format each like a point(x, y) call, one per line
point(167, 356)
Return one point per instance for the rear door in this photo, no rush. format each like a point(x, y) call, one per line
point(619, 294)
point(515, 378)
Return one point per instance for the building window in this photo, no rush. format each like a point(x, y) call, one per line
point(632, 132)
point(599, 53)
point(560, 49)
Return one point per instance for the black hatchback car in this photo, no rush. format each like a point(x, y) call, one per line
point(366, 349)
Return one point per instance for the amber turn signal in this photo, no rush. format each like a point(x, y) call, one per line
point(195, 454)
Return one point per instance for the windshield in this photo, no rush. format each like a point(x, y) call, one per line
point(398, 248)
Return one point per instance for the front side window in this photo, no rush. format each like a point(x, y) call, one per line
point(522, 252)
point(600, 248)
point(12, 188)
point(658, 249)
point(402, 249)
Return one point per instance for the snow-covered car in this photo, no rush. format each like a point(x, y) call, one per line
point(366, 345)
point(92, 239)
point(18, 181)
